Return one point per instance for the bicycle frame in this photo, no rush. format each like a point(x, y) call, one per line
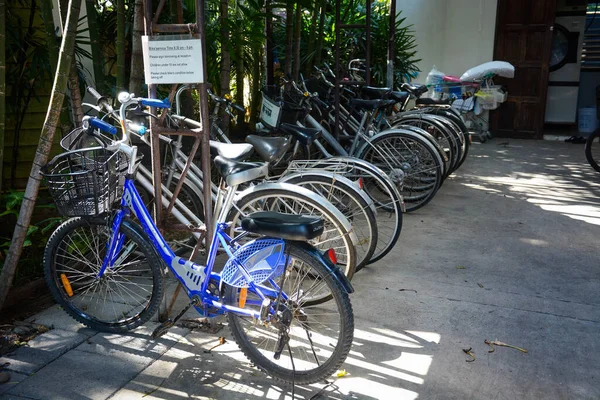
point(193, 277)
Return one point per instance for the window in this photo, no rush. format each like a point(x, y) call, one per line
point(590, 57)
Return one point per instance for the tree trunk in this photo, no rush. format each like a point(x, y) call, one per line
point(2, 84)
point(319, 51)
point(270, 67)
point(73, 85)
point(18, 91)
point(297, 44)
point(43, 150)
point(53, 50)
point(136, 78)
point(312, 38)
point(239, 67)
point(225, 59)
point(46, 11)
point(256, 79)
point(289, 35)
point(75, 91)
point(121, 46)
point(97, 58)
point(391, 46)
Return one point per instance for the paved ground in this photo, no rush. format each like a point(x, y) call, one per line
point(507, 250)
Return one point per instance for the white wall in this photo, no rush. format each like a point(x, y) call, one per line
point(453, 35)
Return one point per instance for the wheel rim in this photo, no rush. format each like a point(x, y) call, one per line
point(117, 298)
point(332, 237)
point(356, 214)
point(320, 323)
point(420, 179)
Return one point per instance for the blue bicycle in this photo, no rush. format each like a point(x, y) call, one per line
point(287, 303)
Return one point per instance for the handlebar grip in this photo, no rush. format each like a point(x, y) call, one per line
point(100, 100)
point(94, 93)
point(103, 126)
point(238, 107)
point(156, 103)
point(321, 103)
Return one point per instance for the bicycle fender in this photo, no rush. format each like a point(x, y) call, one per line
point(333, 269)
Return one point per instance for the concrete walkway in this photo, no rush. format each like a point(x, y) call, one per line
point(507, 250)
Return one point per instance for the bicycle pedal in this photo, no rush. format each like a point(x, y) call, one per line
point(162, 328)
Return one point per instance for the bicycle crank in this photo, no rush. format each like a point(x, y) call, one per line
point(168, 324)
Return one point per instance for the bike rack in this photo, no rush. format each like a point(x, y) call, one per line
point(152, 27)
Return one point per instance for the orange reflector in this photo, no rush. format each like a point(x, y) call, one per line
point(361, 183)
point(66, 285)
point(243, 296)
point(331, 255)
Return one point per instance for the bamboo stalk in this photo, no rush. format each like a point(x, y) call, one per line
point(136, 78)
point(312, 37)
point(121, 45)
point(41, 156)
point(97, 58)
point(289, 35)
point(225, 59)
point(298, 26)
point(321, 34)
point(2, 84)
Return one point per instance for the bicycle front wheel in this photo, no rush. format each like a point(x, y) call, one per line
point(592, 150)
point(320, 335)
point(127, 294)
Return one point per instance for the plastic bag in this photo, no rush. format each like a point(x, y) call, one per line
point(500, 68)
point(434, 80)
point(434, 77)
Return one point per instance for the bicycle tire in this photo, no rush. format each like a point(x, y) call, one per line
point(404, 152)
point(268, 198)
point(592, 150)
point(305, 370)
point(347, 198)
point(448, 113)
point(73, 282)
point(440, 132)
point(387, 200)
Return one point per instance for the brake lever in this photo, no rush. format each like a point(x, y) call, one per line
point(139, 112)
point(92, 106)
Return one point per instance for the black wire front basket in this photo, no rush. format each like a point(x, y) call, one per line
point(85, 182)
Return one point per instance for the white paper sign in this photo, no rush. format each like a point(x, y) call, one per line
point(269, 113)
point(171, 59)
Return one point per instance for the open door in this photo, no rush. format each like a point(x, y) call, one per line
point(524, 39)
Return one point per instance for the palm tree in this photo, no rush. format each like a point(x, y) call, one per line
point(43, 150)
point(120, 45)
point(2, 83)
point(136, 77)
point(97, 57)
point(75, 98)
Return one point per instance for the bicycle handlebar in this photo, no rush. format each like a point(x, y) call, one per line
point(103, 126)
point(155, 103)
point(100, 100)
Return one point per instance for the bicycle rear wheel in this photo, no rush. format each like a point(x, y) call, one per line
point(291, 199)
point(382, 191)
point(413, 164)
point(347, 198)
point(127, 294)
point(320, 335)
point(592, 150)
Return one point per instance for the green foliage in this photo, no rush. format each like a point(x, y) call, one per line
point(353, 41)
point(38, 233)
